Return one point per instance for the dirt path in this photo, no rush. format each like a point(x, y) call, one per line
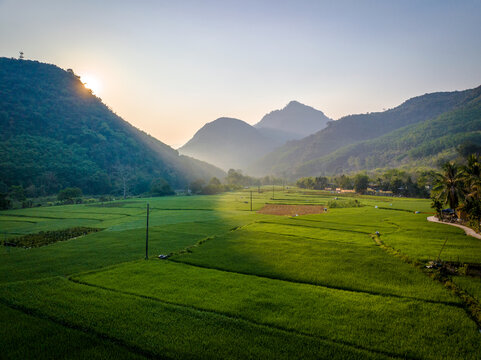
point(468, 231)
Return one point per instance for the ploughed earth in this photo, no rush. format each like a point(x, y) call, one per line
point(291, 210)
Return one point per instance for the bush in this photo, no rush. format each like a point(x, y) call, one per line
point(344, 203)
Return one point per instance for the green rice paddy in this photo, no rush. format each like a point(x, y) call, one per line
point(237, 284)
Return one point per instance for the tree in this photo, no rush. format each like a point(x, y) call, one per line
point(449, 187)
point(361, 182)
point(5, 202)
point(68, 194)
point(320, 182)
point(213, 187)
point(437, 205)
point(160, 187)
point(17, 193)
point(472, 182)
point(196, 186)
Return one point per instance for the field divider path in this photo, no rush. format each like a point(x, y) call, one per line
point(448, 303)
point(469, 303)
point(247, 320)
point(313, 227)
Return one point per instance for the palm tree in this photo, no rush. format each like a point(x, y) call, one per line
point(472, 180)
point(472, 174)
point(449, 186)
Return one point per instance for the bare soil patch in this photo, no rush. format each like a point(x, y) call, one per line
point(291, 210)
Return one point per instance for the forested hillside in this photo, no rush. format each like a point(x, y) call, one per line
point(352, 129)
point(55, 133)
point(425, 144)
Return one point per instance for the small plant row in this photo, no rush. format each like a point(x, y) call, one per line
point(344, 203)
point(48, 237)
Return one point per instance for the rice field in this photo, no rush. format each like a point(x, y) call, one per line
point(237, 284)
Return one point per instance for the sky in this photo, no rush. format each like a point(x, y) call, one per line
point(169, 67)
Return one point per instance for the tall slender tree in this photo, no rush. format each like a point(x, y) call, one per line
point(449, 186)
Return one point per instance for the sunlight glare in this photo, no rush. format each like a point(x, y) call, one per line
point(92, 83)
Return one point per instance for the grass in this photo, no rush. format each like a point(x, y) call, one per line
point(333, 258)
point(359, 319)
point(164, 330)
point(238, 284)
point(471, 285)
point(33, 337)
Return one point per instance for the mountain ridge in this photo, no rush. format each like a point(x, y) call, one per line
point(52, 127)
point(356, 128)
point(233, 143)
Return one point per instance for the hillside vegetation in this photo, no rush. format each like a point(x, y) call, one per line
point(289, 160)
point(55, 133)
point(428, 143)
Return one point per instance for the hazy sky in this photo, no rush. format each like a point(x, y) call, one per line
point(168, 67)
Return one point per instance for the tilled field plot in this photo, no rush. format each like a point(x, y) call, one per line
point(291, 210)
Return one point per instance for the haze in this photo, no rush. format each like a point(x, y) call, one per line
point(168, 67)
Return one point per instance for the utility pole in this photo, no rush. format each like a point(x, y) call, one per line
point(272, 191)
point(147, 235)
point(251, 200)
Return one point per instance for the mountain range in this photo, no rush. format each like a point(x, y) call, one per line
point(233, 143)
point(422, 131)
point(55, 133)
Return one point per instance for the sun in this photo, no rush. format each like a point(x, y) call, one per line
point(92, 83)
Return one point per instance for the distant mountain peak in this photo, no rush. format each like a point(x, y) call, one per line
point(228, 143)
point(296, 118)
point(294, 103)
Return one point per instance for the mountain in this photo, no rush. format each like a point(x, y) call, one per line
point(294, 121)
point(424, 144)
point(232, 143)
point(228, 143)
point(288, 160)
point(55, 133)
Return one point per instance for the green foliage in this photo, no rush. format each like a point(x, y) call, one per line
point(213, 187)
point(54, 134)
point(5, 203)
point(318, 183)
point(418, 130)
point(69, 194)
point(437, 205)
point(17, 193)
point(196, 186)
point(160, 187)
point(49, 237)
point(361, 182)
point(235, 178)
point(350, 203)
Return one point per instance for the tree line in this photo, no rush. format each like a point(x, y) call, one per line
point(399, 182)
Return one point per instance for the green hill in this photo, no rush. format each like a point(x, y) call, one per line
point(297, 158)
point(424, 144)
point(55, 133)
